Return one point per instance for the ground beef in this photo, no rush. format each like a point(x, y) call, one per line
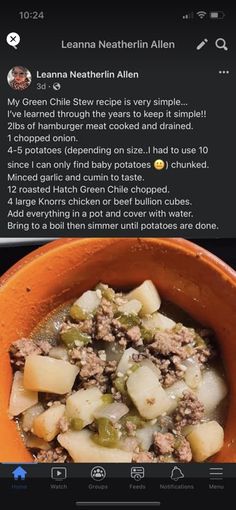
point(171, 369)
point(107, 328)
point(143, 457)
point(204, 353)
point(119, 331)
point(130, 428)
point(104, 326)
point(91, 374)
point(163, 443)
point(173, 342)
point(183, 451)
point(55, 455)
point(123, 343)
point(101, 382)
point(111, 367)
point(186, 335)
point(171, 348)
point(189, 411)
point(169, 444)
point(103, 321)
point(88, 362)
point(22, 348)
point(44, 345)
point(106, 308)
point(89, 383)
point(170, 378)
point(134, 335)
point(104, 330)
point(87, 327)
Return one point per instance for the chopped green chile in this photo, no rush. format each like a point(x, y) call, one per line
point(72, 335)
point(120, 385)
point(107, 398)
point(76, 424)
point(135, 419)
point(134, 367)
point(129, 320)
point(147, 335)
point(178, 327)
point(178, 441)
point(107, 434)
point(78, 314)
point(199, 341)
point(107, 292)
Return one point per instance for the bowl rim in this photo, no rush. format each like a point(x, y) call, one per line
point(181, 244)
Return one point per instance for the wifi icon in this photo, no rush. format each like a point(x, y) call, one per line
point(201, 14)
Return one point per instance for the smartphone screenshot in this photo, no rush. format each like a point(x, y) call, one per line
point(118, 255)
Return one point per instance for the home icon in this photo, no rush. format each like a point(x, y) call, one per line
point(19, 473)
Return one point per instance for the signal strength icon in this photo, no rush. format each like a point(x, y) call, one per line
point(190, 15)
point(201, 14)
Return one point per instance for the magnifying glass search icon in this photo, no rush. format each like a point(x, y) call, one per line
point(221, 44)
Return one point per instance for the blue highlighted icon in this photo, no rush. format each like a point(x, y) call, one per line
point(19, 473)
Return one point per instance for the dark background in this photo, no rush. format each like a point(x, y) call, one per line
point(184, 72)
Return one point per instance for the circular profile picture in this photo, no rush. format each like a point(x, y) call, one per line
point(19, 78)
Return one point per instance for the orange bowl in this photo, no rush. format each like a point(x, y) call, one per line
point(184, 273)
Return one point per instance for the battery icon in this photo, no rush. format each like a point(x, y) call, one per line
point(217, 15)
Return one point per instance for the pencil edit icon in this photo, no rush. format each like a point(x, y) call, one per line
point(202, 44)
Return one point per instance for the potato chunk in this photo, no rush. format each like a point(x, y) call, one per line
point(193, 376)
point(133, 306)
point(37, 443)
point(205, 440)
point(46, 425)
point(21, 398)
point(148, 363)
point(158, 321)
point(147, 393)
point(211, 391)
point(89, 300)
point(83, 405)
point(43, 373)
point(30, 414)
point(59, 352)
point(126, 360)
point(148, 295)
point(83, 449)
point(174, 392)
